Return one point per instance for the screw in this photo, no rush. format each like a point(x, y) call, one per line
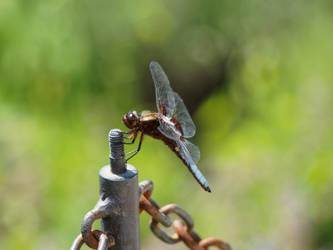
point(117, 153)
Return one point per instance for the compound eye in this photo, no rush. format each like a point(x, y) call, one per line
point(132, 118)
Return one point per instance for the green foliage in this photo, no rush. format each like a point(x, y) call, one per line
point(69, 69)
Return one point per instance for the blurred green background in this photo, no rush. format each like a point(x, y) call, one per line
point(256, 76)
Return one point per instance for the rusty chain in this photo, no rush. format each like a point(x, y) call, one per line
point(99, 241)
point(95, 239)
point(183, 228)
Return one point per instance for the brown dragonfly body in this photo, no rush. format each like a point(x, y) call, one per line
point(149, 123)
point(172, 124)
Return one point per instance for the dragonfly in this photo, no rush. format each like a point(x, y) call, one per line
point(172, 124)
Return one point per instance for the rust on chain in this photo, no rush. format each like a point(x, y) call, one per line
point(146, 188)
point(101, 236)
point(209, 242)
point(153, 209)
point(78, 242)
point(102, 208)
point(185, 236)
point(175, 209)
point(195, 236)
point(89, 238)
point(145, 204)
point(103, 241)
point(162, 235)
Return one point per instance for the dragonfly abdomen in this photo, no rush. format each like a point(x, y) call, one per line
point(191, 166)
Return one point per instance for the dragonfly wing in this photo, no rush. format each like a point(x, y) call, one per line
point(187, 151)
point(186, 156)
point(194, 151)
point(183, 117)
point(168, 102)
point(168, 129)
point(165, 97)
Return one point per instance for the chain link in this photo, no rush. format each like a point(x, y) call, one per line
point(171, 208)
point(95, 239)
point(101, 241)
point(183, 228)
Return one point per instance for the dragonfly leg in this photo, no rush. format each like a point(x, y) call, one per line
point(133, 135)
point(134, 152)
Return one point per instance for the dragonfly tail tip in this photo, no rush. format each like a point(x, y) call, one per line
point(207, 188)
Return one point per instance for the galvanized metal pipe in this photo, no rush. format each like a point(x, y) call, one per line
point(119, 182)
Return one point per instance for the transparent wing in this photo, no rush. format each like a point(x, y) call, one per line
point(193, 150)
point(168, 129)
point(187, 151)
point(183, 117)
point(165, 97)
point(186, 156)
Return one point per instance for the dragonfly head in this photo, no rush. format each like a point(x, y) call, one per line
point(131, 119)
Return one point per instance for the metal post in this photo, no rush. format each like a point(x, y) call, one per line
point(119, 182)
